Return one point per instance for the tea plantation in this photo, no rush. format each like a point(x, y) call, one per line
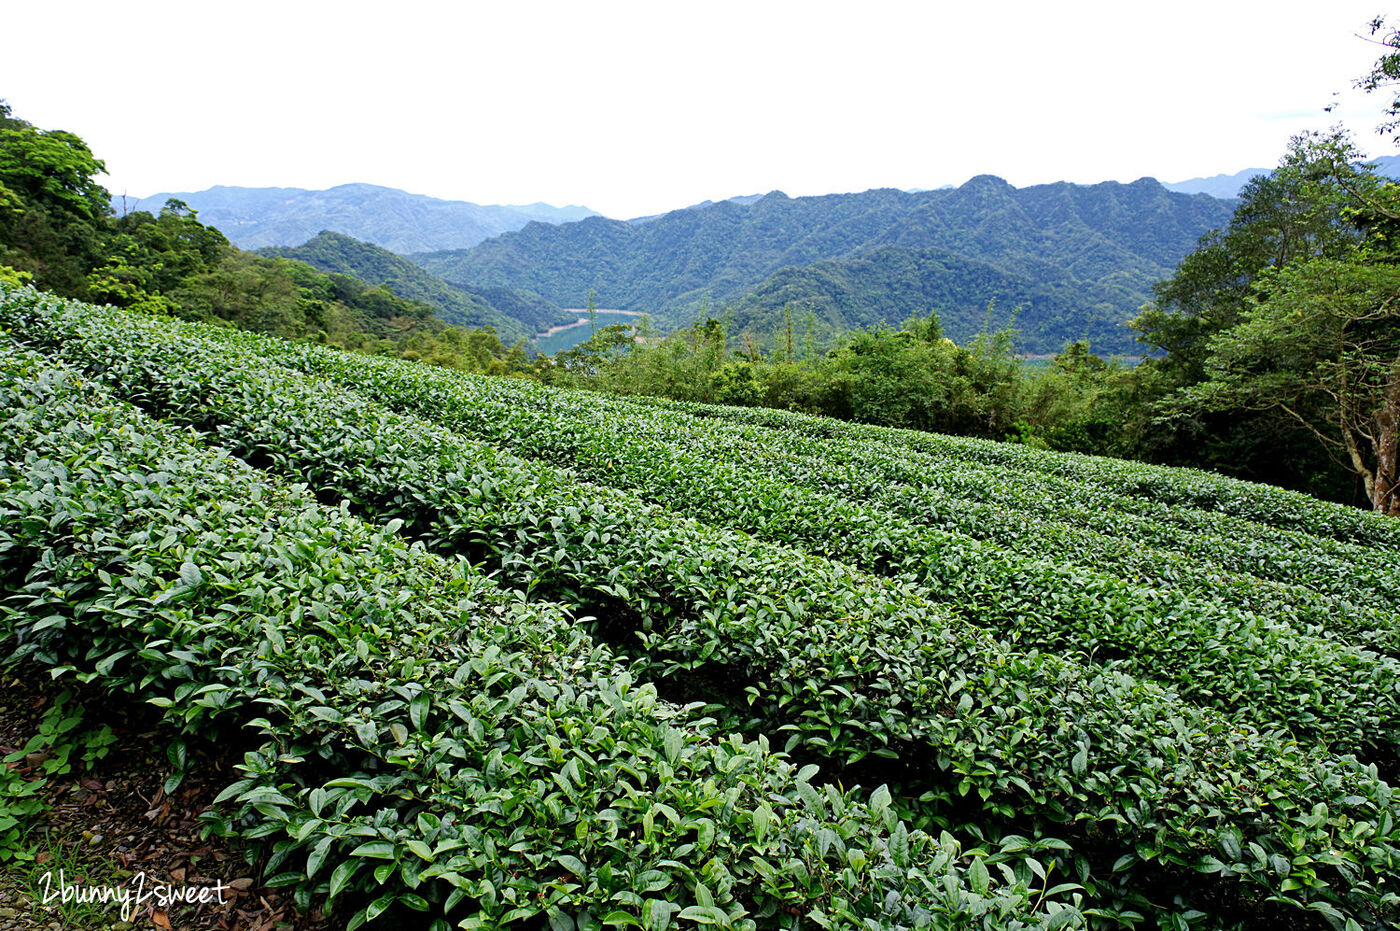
point(510, 656)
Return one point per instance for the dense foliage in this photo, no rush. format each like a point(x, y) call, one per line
point(886, 284)
point(908, 377)
point(52, 212)
point(1286, 323)
point(911, 377)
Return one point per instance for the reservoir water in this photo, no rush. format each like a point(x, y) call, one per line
point(567, 336)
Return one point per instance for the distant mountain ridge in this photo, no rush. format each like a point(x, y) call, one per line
point(255, 218)
point(1224, 186)
point(1078, 260)
point(1229, 186)
point(738, 199)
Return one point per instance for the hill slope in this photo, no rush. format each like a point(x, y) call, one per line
point(514, 315)
point(1190, 678)
point(253, 218)
point(1101, 245)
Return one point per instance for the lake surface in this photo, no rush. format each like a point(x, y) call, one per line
point(567, 337)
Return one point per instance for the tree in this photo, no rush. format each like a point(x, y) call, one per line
point(1311, 331)
point(1385, 73)
point(1295, 317)
point(916, 378)
point(1311, 207)
point(50, 169)
point(150, 255)
point(589, 357)
point(1322, 345)
point(1293, 214)
point(52, 212)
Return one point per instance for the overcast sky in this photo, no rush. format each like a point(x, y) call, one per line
point(636, 108)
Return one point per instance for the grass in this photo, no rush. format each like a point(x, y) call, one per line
point(28, 884)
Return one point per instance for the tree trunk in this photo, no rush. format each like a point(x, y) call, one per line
point(1385, 489)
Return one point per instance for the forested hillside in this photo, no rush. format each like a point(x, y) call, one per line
point(513, 315)
point(983, 243)
point(882, 284)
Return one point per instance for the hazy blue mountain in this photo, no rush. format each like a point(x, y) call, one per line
point(513, 315)
point(1223, 186)
point(1388, 165)
point(548, 213)
point(1229, 186)
point(1082, 258)
point(738, 199)
point(254, 218)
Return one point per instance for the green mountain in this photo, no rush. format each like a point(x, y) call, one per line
point(514, 315)
point(1081, 259)
point(253, 218)
point(888, 283)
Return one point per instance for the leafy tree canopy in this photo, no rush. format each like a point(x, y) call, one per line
point(52, 210)
point(1385, 73)
point(50, 170)
point(1292, 310)
point(1319, 340)
point(1298, 212)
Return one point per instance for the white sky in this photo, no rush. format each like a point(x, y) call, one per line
point(636, 108)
